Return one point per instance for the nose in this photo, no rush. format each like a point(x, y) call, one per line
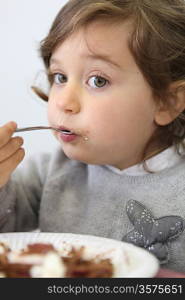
point(68, 99)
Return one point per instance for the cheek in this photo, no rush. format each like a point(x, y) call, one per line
point(123, 122)
point(50, 111)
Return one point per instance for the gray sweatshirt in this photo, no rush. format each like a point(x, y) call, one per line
point(56, 194)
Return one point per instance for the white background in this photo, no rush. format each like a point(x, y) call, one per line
point(23, 24)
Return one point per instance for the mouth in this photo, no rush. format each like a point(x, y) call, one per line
point(67, 131)
point(69, 135)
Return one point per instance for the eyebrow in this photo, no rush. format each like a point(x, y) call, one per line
point(54, 61)
point(102, 57)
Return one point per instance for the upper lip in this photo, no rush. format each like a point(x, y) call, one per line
point(62, 128)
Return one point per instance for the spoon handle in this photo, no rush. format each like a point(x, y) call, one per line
point(35, 128)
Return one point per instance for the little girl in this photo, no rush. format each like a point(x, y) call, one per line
point(116, 71)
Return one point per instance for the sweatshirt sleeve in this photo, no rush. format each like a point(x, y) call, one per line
point(20, 197)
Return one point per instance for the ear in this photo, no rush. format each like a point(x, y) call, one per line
point(173, 106)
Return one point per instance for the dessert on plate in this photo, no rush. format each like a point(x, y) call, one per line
point(44, 260)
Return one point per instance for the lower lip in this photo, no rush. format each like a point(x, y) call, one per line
point(68, 137)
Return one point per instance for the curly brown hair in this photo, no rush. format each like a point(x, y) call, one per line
point(157, 44)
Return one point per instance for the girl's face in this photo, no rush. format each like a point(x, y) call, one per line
point(100, 95)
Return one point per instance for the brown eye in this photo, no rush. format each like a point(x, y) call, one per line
point(97, 82)
point(59, 78)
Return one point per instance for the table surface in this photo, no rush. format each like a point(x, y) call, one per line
point(166, 273)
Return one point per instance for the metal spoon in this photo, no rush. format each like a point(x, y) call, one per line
point(36, 128)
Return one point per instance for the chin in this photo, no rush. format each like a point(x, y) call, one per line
point(76, 155)
point(80, 156)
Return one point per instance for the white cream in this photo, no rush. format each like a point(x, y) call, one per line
point(2, 250)
point(51, 267)
point(2, 275)
point(14, 257)
point(120, 263)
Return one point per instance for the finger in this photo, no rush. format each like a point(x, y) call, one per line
point(10, 148)
point(6, 132)
point(9, 165)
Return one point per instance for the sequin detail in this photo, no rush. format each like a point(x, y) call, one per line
point(150, 233)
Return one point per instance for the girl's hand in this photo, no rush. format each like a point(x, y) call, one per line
point(11, 153)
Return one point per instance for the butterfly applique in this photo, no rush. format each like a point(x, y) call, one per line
point(150, 233)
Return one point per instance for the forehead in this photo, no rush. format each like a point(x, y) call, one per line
point(100, 39)
point(102, 34)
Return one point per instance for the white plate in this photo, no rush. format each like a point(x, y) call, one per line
point(136, 262)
